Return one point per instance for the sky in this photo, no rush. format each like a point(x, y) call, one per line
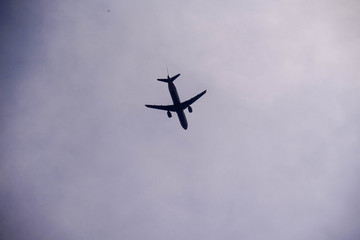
point(272, 149)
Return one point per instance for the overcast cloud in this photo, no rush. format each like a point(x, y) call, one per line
point(272, 149)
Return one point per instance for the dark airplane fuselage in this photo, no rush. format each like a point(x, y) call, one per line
point(177, 104)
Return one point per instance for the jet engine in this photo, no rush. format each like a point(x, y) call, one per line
point(169, 114)
point(190, 109)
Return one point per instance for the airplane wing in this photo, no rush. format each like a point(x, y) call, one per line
point(192, 100)
point(170, 108)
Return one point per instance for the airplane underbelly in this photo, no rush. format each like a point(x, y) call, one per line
point(174, 95)
point(182, 119)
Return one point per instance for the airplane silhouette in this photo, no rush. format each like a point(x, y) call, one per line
point(178, 106)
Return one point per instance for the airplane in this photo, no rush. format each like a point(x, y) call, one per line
point(177, 106)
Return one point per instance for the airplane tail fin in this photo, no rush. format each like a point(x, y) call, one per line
point(168, 79)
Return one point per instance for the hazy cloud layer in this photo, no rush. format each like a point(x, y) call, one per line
point(272, 149)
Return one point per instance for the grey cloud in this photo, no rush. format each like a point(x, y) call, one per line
point(271, 150)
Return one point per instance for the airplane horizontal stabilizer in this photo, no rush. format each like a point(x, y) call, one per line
point(169, 79)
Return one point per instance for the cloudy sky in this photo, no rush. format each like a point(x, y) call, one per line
point(272, 149)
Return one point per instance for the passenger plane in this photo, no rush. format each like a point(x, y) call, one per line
point(177, 106)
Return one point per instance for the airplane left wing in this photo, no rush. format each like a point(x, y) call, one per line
point(170, 108)
point(192, 100)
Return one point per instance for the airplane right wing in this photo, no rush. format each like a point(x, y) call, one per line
point(170, 108)
point(192, 100)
